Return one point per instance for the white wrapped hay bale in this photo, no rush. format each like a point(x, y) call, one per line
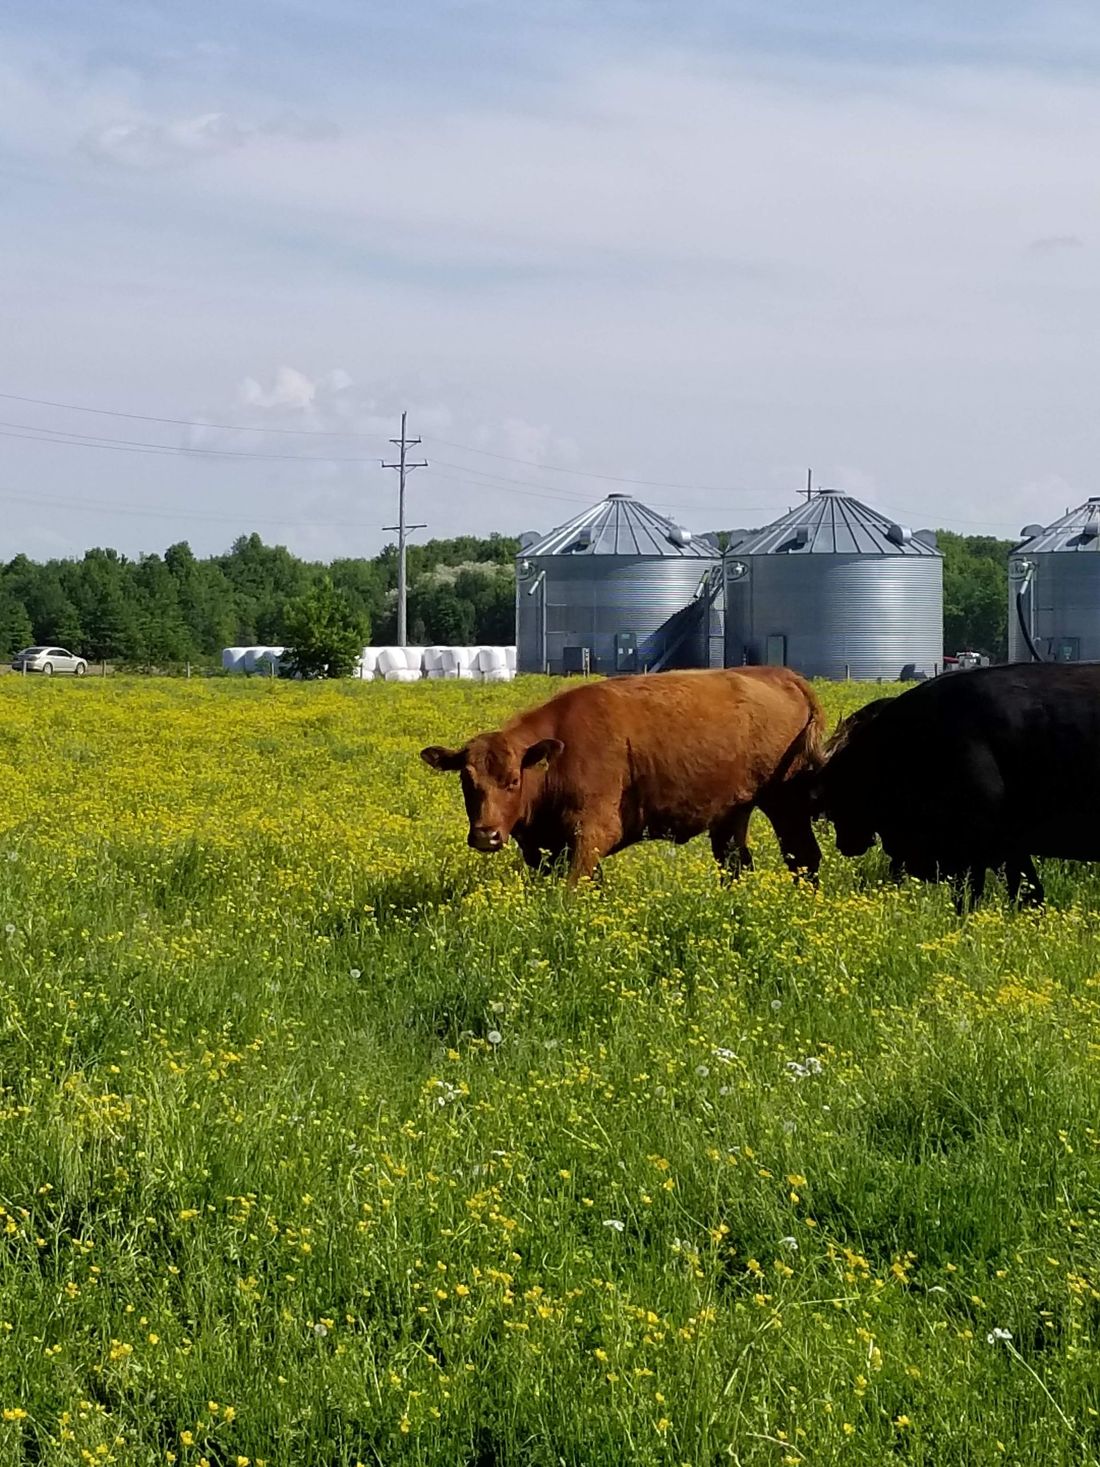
point(498, 675)
point(491, 659)
point(510, 658)
point(391, 659)
point(414, 659)
point(458, 661)
point(432, 660)
point(267, 660)
point(403, 675)
point(233, 659)
point(368, 662)
point(248, 661)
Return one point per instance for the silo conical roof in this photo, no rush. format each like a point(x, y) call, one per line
point(832, 523)
point(1078, 530)
point(621, 525)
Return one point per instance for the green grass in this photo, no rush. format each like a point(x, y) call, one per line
point(324, 1141)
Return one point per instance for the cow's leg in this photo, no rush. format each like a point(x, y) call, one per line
point(1024, 886)
point(795, 832)
point(729, 840)
point(968, 886)
point(592, 839)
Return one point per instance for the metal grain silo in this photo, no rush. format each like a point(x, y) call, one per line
point(619, 588)
point(835, 589)
point(1054, 590)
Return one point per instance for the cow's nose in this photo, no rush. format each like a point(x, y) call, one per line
point(485, 838)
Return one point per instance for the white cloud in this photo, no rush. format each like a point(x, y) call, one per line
point(145, 144)
point(1052, 244)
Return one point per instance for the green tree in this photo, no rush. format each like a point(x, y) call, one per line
point(323, 635)
point(16, 631)
point(975, 593)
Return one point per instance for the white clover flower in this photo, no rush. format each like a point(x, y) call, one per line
point(320, 1330)
point(495, 1037)
point(791, 1244)
point(702, 1071)
point(801, 1069)
point(725, 1055)
point(997, 1335)
point(777, 1004)
point(615, 1224)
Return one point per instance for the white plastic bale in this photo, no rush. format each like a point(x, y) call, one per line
point(233, 659)
point(498, 675)
point(391, 659)
point(251, 654)
point(414, 658)
point(510, 658)
point(368, 661)
point(403, 675)
point(432, 660)
point(490, 659)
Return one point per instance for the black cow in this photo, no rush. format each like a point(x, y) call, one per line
point(970, 772)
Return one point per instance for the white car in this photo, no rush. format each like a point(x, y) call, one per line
point(47, 661)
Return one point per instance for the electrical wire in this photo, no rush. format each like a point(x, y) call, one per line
point(374, 437)
point(34, 433)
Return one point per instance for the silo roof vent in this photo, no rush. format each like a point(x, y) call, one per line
point(622, 525)
point(832, 523)
point(1078, 530)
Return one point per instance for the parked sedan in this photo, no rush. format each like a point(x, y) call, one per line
point(47, 661)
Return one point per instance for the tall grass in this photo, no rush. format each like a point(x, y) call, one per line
point(324, 1141)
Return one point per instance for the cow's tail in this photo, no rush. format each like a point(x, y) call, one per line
point(814, 737)
point(806, 752)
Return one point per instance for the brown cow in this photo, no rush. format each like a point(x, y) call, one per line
point(605, 764)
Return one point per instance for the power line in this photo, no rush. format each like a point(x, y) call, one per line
point(76, 407)
point(33, 433)
point(132, 445)
point(66, 439)
point(375, 437)
point(146, 511)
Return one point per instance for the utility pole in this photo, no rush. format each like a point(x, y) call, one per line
point(403, 466)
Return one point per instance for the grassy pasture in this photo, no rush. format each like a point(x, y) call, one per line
point(325, 1141)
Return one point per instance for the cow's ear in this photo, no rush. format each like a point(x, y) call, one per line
point(544, 752)
point(440, 758)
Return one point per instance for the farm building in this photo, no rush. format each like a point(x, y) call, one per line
point(834, 589)
point(618, 589)
point(1054, 589)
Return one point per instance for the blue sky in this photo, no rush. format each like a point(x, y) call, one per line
point(699, 246)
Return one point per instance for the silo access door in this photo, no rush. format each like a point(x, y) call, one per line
point(775, 652)
point(626, 652)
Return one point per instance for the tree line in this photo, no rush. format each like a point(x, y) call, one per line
point(159, 610)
